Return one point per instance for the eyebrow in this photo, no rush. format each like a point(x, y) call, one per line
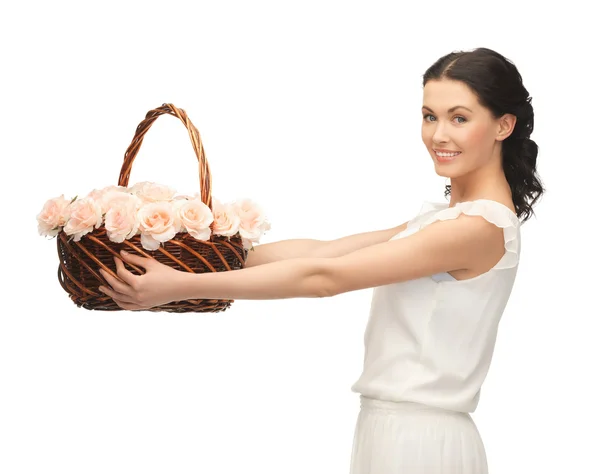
point(451, 109)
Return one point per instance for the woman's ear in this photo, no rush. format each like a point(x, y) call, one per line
point(506, 125)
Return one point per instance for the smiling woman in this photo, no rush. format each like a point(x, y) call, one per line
point(441, 280)
point(478, 120)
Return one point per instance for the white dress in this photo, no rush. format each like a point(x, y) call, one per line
point(428, 347)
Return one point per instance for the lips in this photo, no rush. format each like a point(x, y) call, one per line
point(446, 155)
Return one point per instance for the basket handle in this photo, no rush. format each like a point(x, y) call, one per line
point(136, 143)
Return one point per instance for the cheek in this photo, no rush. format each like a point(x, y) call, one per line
point(426, 134)
point(476, 137)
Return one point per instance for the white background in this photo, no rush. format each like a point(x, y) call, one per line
point(313, 110)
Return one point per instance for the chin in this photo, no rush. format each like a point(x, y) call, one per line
point(444, 170)
point(443, 175)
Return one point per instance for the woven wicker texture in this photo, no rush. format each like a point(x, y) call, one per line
point(79, 261)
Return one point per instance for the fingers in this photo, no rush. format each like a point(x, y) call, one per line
point(122, 301)
point(125, 274)
point(128, 306)
point(143, 262)
point(120, 298)
point(119, 286)
point(124, 292)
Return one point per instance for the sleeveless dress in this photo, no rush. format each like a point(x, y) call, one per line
point(428, 347)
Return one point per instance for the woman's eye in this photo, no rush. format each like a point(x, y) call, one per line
point(431, 118)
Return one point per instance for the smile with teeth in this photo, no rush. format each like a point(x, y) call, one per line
point(439, 153)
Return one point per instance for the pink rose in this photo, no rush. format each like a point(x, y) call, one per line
point(53, 216)
point(195, 217)
point(85, 214)
point(152, 192)
point(158, 223)
point(253, 222)
point(121, 219)
point(226, 220)
point(100, 195)
point(115, 198)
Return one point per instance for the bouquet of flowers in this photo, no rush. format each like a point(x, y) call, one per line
point(153, 211)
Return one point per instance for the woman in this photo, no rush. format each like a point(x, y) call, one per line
point(441, 280)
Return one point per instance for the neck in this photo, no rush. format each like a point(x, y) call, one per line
point(481, 183)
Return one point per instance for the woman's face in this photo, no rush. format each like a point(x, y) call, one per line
point(459, 133)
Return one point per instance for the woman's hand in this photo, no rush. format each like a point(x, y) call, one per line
point(157, 286)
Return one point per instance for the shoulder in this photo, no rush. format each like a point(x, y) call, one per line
point(473, 231)
point(469, 232)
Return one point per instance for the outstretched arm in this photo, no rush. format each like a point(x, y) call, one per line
point(444, 246)
point(304, 248)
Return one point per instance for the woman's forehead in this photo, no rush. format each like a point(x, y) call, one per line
point(445, 94)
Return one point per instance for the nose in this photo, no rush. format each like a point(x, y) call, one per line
point(440, 135)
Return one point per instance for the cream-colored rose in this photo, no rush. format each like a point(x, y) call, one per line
point(100, 195)
point(95, 194)
point(85, 215)
point(253, 222)
point(195, 217)
point(121, 219)
point(226, 220)
point(53, 216)
point(158, 223)
point(152, 192)
point(178, 201)
point(116, 198)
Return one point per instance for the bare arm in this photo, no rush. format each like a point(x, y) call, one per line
point(303, 248)
point(443, 246)
point(453, 244)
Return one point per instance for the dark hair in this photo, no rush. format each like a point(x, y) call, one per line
point(498, 85)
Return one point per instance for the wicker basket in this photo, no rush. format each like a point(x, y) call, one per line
point(79, 261)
